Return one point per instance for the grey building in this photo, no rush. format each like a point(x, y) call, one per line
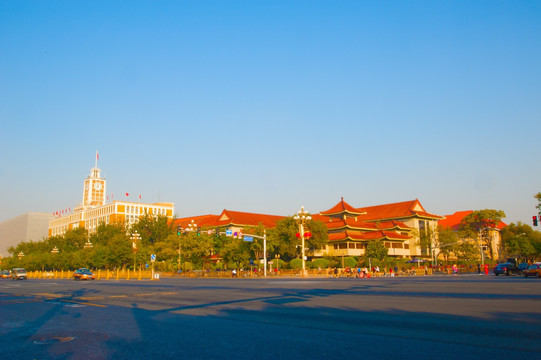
point(26, 227)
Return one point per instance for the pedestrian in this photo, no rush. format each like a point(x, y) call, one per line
point(377, 271)
point(455, 270)
point(486, 269)
point(391, 272)
point(478, 269)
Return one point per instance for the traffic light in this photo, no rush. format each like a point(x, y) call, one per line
point(179, 230)
point(198, 231)
point(534, 218)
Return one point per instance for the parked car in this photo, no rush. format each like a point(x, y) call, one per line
point(83, 274)
point(533, 270)
point(18, 274)
point(5, 274)
point(506, 269)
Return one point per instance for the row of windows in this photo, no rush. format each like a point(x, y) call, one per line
point(145, 210)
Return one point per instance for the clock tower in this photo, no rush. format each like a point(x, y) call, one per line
point(94, 188)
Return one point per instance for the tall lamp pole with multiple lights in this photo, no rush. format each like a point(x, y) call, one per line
point(302, 218)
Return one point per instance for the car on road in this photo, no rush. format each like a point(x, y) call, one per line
point(5, 274)
point(18, 274)
point(506, 269)
point(83, 274)
point(533, 270)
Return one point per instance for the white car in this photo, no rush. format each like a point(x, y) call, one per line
point(18, 274)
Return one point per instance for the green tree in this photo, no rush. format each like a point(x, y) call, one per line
point(446, 242)
point(284, 241)
point(196, 248)
point(538, 206)
point(376, 250)
point(479, 221)
point(237, 251)
point(520, 240)
point(153, 229)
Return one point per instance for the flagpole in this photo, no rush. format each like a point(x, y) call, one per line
point(97, 157)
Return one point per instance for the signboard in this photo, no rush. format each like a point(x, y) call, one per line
point(229, 232)
point(209, 232)
point(153, 257)
point(248, 238)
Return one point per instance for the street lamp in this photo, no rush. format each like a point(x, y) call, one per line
point(21, 254)
point(192, 226)
point(134, 238)
point(55, 250)
point(88, 245)
point(302, 218)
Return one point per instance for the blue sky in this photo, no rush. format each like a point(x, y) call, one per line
point(264, 106)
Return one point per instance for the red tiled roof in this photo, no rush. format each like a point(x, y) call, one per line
point(200, 220)
point(372, 235)
point(453, 221)
point(395, 210)
point(228, 217)
point(250, 219)
point(340, 208)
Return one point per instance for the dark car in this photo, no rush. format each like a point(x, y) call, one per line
point(533, 270)
point(506, 269)
point(83, 274)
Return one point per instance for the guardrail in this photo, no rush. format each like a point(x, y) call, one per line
point(99, 274)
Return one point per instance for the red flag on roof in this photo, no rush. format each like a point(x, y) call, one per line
point(127, 194)
point(139, 196)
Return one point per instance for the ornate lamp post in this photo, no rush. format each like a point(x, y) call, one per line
point(55, 250)
point(21, 255)
point(134, 238)
point(302, 218)
point(88, 245)
point(192, 226)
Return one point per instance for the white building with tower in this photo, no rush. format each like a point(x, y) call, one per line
point(95, 210)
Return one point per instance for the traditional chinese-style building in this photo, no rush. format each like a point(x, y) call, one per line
point(350, 229)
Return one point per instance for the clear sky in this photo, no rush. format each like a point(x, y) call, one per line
point(264, 106)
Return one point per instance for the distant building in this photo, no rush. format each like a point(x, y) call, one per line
point(26, 227)
point(94, 210)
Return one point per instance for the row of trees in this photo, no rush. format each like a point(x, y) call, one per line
point(111, 246)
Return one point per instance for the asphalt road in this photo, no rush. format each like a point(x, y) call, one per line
point(463, 317)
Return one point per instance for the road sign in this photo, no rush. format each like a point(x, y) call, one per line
point(153, 257)
point(240, 233)
point(229, 232)
point(248, 238)
point(209, 232)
